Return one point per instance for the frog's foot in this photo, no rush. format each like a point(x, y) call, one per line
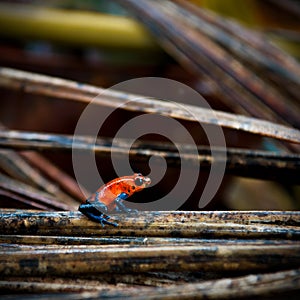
point(94, 214)
point(121, 207)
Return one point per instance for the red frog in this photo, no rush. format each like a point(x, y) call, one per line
point(110, 197)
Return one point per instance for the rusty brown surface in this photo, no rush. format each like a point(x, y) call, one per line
point(24, 170)
point(66, 182)
point(41, 197)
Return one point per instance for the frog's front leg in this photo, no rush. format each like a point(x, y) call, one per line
point(95, 212)
point(120, 206)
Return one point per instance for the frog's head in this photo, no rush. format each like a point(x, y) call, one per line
point(140, 181)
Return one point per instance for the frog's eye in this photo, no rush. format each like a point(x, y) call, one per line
point(138, 181)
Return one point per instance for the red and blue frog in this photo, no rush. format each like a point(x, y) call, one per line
point(110, 197)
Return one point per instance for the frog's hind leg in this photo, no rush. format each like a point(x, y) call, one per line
point(94, 214)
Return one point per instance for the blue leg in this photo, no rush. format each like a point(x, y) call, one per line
point(94, 212)
point(120, 206)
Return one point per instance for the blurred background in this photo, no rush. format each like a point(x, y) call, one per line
point(220, 48)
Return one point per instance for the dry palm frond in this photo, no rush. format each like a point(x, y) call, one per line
point(254, 286)
point(241, 63)
point(249, 163)
point(200, 224)
point(70, 90)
